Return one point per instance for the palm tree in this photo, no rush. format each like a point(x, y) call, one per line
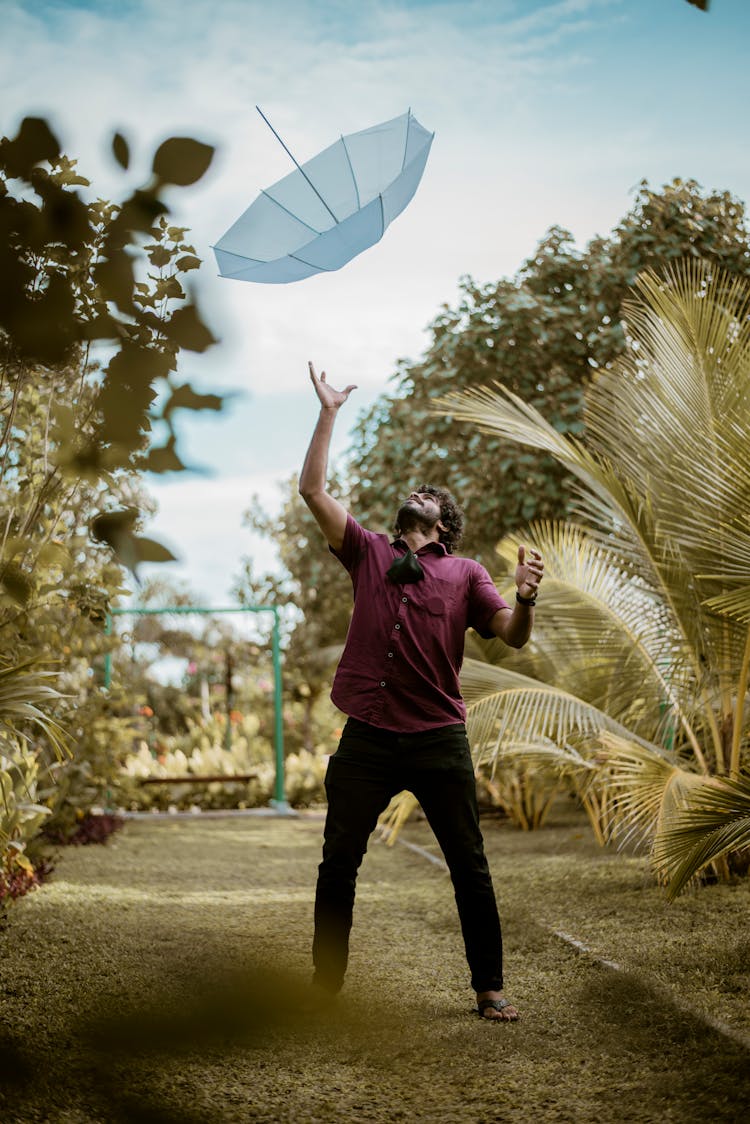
point(636, 680)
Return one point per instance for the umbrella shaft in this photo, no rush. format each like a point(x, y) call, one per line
point(299, 166)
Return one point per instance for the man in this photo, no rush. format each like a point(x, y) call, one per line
point(398, 683)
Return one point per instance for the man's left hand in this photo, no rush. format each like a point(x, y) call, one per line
point(529, 571)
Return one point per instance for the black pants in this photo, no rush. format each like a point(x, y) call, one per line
point(369, 767)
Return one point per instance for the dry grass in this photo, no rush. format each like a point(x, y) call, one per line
point(158, 979)
point(697, 949)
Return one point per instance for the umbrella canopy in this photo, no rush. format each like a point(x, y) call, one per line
point(330, 209)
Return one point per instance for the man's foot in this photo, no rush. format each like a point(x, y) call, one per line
point(494, 1007)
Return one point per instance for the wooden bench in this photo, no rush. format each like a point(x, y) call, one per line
point(224, 777)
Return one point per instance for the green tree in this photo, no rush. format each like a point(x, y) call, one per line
point(544, 334)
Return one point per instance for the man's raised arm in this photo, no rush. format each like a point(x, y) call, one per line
point(330, 514)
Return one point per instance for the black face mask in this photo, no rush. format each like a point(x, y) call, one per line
point(405, 569)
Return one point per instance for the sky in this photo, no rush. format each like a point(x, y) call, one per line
point(545, 112)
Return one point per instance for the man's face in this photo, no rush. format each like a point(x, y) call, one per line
point(419, 512)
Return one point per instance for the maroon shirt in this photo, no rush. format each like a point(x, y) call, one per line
point(405, 644)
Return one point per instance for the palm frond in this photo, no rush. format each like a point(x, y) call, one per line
point(708, 308)
point(622, 507)
point(396, 814)
point(587, 580)
point(605, 636)
point(497, 410)
point(26, 698)
point(650, 786)
point(715, 823)
point(680, 395)
point(507, 708)
point(545, 755)
point(733, 603)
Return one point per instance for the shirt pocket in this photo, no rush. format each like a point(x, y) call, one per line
point(434, 597)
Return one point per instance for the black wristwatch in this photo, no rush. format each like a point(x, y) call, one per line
point(525, 600)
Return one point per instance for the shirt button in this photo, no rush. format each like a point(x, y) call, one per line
point(382, 682)
point(404, 599)
point(390, 655)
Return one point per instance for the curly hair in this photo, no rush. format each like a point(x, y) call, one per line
point(451, 516)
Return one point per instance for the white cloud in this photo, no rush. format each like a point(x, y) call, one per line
point(200, 520)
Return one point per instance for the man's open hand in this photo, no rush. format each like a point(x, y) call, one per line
point(330, 399)
point(529, 572)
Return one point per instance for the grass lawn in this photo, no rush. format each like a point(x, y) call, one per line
point(158, 978)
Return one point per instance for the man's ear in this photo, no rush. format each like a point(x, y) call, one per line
point(441, 527)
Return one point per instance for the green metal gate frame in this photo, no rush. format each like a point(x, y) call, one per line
point(278, 801)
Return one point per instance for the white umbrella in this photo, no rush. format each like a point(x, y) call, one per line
point(331, 208)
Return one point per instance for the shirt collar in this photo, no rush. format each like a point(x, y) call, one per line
point(429, 547)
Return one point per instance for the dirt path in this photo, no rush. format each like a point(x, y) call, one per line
point(156, 979)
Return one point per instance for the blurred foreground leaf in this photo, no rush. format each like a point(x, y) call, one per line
point(121, 151)
point(182, 160)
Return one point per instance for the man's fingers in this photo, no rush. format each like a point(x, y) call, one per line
point(321, 378)
point(534, 562)
point(533, 567)
point(313, 375)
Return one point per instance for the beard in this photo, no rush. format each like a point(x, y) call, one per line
point(411, 517)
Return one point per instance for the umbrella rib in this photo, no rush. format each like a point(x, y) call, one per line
point(351, 169)
point(312, 264)
point(291, 213)
point(406, 141)
point(382, 215)
point(242, 258)
point(299, 166)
